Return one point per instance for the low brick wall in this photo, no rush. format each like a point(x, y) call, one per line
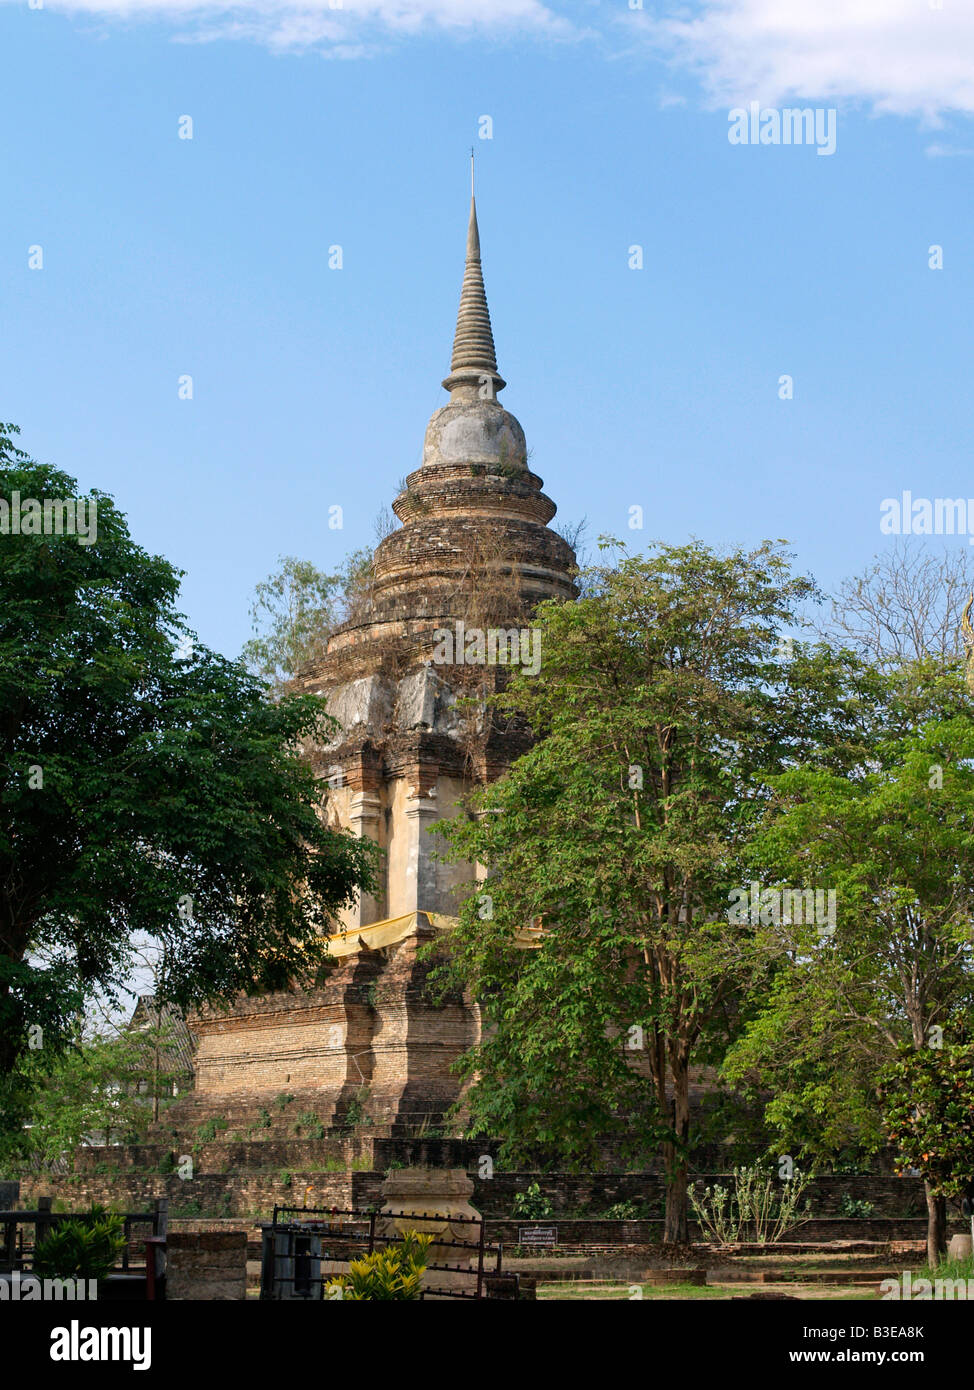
point(617, 1233)
point(250, 1193)
point(568, 1192)
point(205, 1265)
point(246, 1195)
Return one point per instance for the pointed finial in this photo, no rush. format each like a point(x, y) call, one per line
point(474, 362)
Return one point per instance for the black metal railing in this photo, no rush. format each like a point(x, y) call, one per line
point(305, 1238)
point(23, 1231)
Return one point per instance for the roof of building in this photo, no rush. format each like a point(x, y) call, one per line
point(148, 1014)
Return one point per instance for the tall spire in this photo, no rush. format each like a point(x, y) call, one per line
point(474, 358)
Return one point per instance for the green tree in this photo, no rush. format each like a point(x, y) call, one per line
point(99, 1089)
point(806, 1063)
point(297, 609)
point(892, 839)
point(928, 1101)
point(147, 787)
point(661, 694)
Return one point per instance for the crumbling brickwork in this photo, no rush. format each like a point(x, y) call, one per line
point(474, 548)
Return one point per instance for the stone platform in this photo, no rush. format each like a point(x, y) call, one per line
point(372, 1043)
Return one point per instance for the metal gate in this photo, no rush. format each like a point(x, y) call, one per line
point(304, 1248)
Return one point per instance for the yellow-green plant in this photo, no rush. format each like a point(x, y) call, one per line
point(393, 1273)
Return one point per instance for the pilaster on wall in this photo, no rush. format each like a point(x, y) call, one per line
point(365, 810)
point(420, 813)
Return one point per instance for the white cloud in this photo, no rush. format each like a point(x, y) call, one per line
point(901, 56)
point(344, 26)
point(946, 152)
point(898, 56)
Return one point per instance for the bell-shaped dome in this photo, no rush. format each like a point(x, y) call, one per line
point(474, 431)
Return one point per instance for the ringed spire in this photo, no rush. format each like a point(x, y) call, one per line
point(474, 360)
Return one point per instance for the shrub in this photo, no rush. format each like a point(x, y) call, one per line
point(355, 1109)
point(209, 1129)
point(629, 1210)
point(283, 1100)
point(312, 1126)
point(84, 1247)
point(532, 1203)
point(760, 1208)
point(855, 1207)
point(190, 1208)
point(395, 1273)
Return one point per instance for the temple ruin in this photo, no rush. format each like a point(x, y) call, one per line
point(474, 555)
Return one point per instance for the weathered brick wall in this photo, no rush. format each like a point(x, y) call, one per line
point(251, 1192)
point(371, 1043)
point(246, 1196)
point(206, 1265)
point(568, 1192)
point(614, 1233)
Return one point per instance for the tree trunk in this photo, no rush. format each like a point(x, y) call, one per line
point(676, 1230)
point(936, 1227)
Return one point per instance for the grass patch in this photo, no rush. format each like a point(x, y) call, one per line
point(578, 1290)
point(950, 1269)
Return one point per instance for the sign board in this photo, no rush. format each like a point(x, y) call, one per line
point(537, 1235)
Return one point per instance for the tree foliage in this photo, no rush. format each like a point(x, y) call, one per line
point(297, 609)
point(892, 838)
point(98, 1089)
point(928, 1102)
point(660, 697)
point(147, 786)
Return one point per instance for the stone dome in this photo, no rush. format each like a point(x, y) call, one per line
point(465, 431)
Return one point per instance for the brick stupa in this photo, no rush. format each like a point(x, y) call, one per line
point(474, 548)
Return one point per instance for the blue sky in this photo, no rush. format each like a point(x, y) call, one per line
point(656, 387)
